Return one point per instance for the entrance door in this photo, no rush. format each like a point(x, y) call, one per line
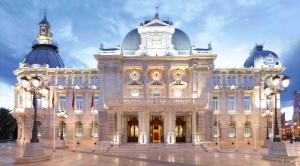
point(156, 129)
point(132, 132)
point(180, 129)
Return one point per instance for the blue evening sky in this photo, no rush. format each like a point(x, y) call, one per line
point(232, 26)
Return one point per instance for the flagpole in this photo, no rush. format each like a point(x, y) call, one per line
point(54, 121)
point(93, 116)
point(73, 109)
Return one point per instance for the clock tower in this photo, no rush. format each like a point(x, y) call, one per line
point(45, 34)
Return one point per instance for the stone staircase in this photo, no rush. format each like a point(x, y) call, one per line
point(128, 147)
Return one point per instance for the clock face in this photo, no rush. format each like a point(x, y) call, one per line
point(43, 29)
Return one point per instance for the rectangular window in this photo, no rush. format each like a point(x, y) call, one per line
point(231, 103)
point(215, 103)
point(247, 132)
point(62, 102)
point(247, 103)
point(231, 131)
point(96, 103)
point(216, 81)
point(79, 103)
point(78, 81)
point(78, 130)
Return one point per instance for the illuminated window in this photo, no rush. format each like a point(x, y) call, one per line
point(247, 129)
point(39, 131)
point(95, 129)
point(231, 130)
point(78, 129)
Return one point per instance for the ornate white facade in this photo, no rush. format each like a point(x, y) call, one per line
point(155, 88)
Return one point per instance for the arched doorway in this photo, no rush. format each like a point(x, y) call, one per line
point(156, 129)
point(132, 132)
point(180, 129)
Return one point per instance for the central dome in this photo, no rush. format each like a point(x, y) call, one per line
point(132, 41)
point(44, 54)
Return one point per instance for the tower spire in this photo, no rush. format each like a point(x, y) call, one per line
point(156, 13)
point(45, 14)
point(45, 34)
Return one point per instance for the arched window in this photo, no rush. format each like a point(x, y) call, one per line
point(78, 129)
point(94, 129)
point(232, 130)
point(247, 129)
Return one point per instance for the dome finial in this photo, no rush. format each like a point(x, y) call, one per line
point(156, 13)
point(45, 14)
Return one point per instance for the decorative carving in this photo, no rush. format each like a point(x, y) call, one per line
point(178, 74)
point(134, 75)
point(155, 75)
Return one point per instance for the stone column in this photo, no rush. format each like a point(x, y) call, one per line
point(170, 121)
point(119, 128)
point(194, 128)
point(143, 127)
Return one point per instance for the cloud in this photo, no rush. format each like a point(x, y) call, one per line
point(6, 96)
point(291, 59)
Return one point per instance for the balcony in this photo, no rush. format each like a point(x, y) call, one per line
point(154, 101)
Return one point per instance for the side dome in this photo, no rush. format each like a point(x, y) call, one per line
point(131, 41)
point(44, 54)
point(180, 40)
point(261, 57)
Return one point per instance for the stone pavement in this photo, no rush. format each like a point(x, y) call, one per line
point(246, 156)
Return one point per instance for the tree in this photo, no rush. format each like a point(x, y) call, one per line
point(8, 124)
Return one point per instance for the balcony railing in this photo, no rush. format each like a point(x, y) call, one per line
point(144, 101)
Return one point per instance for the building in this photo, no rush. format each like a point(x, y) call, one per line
point(156, 88)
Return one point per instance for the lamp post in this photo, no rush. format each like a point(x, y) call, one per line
point(62, 115)
point(33, 151)
point(276, 150)
point(267, 114)
point(35, 86)
point(274, 86)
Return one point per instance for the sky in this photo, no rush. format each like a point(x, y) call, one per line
point(233, 27)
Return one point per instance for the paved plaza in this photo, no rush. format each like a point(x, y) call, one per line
point(154, 157)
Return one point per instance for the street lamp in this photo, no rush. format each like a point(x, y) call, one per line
point(33, 151)
point(35, 86)
point(267, 114)
point(272, 88)
point(62, 115)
